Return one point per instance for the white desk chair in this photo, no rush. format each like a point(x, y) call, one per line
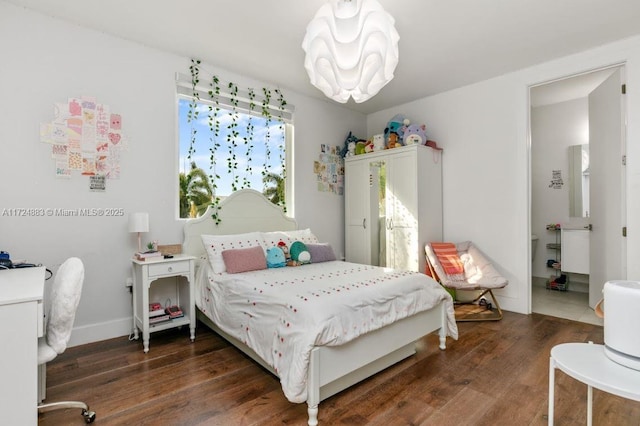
point(65, 296)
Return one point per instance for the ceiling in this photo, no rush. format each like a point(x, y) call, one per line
point(567, 89)
point(443, 44)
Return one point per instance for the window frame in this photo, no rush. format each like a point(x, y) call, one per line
point(185, 91)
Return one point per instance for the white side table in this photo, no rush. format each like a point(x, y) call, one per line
point(587, 363)
point(145, 273)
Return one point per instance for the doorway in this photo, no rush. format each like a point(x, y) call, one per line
point(573, 119)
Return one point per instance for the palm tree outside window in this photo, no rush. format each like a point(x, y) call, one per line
point(195, 192)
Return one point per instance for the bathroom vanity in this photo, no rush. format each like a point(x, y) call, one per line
point(575, 250)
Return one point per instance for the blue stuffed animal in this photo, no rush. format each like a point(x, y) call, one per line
point(275, 258)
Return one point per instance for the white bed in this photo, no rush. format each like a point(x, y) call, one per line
point(330, 369)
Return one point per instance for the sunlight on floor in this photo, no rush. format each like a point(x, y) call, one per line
point(562, 304)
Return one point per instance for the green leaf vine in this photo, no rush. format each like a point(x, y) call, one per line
point(248, 139)
point(192, 114)
point(266, 113)
point(233, 134)
point(281, 146)
point(214, 144)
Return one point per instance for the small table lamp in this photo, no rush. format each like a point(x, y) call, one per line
point(139, 222)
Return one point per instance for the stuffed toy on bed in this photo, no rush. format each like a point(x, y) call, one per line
point(283, 246)
point(299, 253)
point(275, 258)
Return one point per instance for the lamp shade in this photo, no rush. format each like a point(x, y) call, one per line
point(139, 222)
point(351, 49)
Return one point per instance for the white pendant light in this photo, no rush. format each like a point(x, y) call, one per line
point(351, 49)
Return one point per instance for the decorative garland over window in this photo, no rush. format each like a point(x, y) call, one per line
point(236, 102)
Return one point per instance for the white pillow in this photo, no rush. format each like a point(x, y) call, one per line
point(272, 239)
point(216, 244)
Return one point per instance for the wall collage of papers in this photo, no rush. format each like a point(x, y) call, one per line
point(329, 170)
point(86, 139)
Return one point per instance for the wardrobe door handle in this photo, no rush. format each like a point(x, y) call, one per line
point(364, 223)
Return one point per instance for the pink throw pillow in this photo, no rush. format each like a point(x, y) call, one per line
point(244, 260)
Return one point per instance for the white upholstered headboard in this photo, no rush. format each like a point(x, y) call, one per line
point(246, 210)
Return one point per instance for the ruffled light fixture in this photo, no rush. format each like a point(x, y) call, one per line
point(351, 49)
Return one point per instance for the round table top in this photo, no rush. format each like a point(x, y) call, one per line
point(588, 363)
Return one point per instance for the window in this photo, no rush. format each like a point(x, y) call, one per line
point(229, 142)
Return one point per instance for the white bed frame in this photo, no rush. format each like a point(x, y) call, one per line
point(332, 368)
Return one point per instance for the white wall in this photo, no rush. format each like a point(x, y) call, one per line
point(484, 131)
point(482, 127)
point(554, 128)
point(47, 61)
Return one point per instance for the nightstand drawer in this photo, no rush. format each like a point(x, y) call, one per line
point(168, 268)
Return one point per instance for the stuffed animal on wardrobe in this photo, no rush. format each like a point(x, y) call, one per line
point(415, 134)
point(395, 126)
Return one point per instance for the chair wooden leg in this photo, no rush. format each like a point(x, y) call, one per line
point(495, 301)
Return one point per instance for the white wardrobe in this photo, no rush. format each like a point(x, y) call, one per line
point(393, 206)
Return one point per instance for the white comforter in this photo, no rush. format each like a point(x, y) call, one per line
point(283, 313)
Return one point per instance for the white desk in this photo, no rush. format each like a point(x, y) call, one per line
point(587, 363)
point(21, 319)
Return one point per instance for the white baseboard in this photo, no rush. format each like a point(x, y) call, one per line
point(101, 331)
point(579, 286)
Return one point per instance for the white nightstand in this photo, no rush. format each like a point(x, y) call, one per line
point(179, 293)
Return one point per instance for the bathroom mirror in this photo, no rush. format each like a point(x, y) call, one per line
point(579, 180)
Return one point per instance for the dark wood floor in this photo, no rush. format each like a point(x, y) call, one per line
point(495, 374)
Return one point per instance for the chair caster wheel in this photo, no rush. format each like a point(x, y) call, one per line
point(89, 416)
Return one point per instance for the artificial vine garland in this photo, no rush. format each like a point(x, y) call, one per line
point(214, 133)
point(192, 115)
point(232, 137)
point(281, 147)
point(267, 137)
point(233, 133)
point(248, 139)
